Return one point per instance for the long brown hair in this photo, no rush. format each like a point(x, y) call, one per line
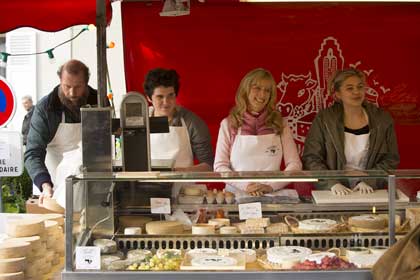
point(274, 119)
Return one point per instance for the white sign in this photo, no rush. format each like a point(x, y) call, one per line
point(250, 210)
point(11, 153)
point(160, 205)
point(88, 257)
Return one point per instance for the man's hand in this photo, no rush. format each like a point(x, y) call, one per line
point(257, 189)
point(47, 192)
point(363, 188)
point(339, 189)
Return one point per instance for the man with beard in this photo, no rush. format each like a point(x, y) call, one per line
point(55, 125)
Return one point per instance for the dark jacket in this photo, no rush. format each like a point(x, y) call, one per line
point(26, 124)
point(324, 144)
point(45, 121)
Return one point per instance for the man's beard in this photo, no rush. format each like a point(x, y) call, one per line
point(71, 105)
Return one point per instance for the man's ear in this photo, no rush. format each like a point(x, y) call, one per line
point(148, 99)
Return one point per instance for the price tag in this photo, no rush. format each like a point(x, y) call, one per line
point(160, 205)
point(250, 210)
point(88, 257)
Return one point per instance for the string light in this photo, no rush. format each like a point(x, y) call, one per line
point(111, 45)
point(49, 52)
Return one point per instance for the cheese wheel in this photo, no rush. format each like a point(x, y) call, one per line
point(12, 265)
point(368, 221)
point(35, 241)
point(24, 227)
point(12, 276)
point(107, 246)
point(15, 249)
point(49, 256)
point(278, 228)
point(59, 218)
point(52, 205)
point(203, 229)
point(164, 227)
point(51, 227)
point(250, 255)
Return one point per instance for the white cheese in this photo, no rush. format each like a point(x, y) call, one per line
point(107, 246)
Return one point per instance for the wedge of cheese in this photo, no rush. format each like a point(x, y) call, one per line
point(258, 222)
point(107, 246)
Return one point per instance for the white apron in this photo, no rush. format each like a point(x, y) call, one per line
point(66, 139)
point(356, 148)
point(255, 153)
point(174, 145)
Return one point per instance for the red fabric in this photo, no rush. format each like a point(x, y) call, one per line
point(48, 15)
point(215, 46)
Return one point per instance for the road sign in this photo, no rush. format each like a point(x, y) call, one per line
point(7, 102)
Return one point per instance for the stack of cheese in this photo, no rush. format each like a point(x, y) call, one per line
point(38, 240)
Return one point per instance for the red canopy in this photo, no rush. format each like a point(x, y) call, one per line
point(48, 15)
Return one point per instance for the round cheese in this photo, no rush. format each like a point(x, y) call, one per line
point(52, 205)
point(319, 256)
point(12, 265)
point(278, 228)
point(35, 241)
point(287, 256)
point(51, 227)
point(138, 255)
point(203, 229)
point(106, 260)
point(164, 227)
point(107, 246)
point(368, 221)
point(24, 227)
point(14, 249)
point(12, 276)
point(317, 224)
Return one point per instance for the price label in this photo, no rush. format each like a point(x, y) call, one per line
point(160, 205)
point(88, 257)
point(250, 210)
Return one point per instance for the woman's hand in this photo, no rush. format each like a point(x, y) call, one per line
point(257, 189)
point(339, 189)
point(363, 188)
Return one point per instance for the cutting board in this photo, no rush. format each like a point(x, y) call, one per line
point(379, 196)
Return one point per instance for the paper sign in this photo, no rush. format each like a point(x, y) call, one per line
point(4, 147)
point(11, 153)
point(88, 257)
point(250, 210)
point(160, 205)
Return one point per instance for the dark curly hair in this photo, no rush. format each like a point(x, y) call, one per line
point(160, 77)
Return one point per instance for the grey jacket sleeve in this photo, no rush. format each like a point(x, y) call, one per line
point(38, 138)
point(390, 158)
point(314, 152)
point(200, 138)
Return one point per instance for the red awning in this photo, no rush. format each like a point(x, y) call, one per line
point(48, 15)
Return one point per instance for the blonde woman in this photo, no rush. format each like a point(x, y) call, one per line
point(254, 137)
point(352, 134)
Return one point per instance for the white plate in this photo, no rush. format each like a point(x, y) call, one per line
point(213, 261)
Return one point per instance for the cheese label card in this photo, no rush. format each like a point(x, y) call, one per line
point(160, 205)
point(88, 257)
point(250, 210)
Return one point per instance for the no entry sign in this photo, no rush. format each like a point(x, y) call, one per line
point(7, 102)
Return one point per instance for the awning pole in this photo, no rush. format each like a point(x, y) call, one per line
point(101, 50)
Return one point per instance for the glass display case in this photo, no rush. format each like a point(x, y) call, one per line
point(116, 206)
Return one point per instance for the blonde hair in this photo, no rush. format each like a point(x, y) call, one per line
point(274, 119)
point(340, 76)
